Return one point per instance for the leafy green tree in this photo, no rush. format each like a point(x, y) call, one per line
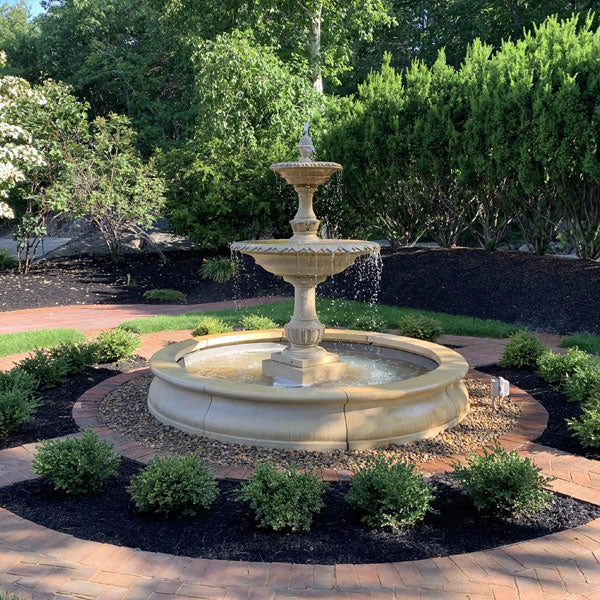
point(314, 36)
point(251, 112)
point(566, 124)
point(111, 185)
point(118, 56)
point(369, 136)
point(18, 39)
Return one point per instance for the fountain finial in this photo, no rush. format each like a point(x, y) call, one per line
point(305, 146)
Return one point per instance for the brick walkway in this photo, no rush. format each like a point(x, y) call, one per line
point(39, 563)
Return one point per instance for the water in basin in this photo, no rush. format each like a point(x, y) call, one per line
point(367, 365)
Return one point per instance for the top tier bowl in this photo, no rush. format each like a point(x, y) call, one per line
point(308, 173)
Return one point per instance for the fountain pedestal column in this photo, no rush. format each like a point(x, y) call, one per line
point(304, 362)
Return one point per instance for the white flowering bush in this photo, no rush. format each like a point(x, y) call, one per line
point(17, 154)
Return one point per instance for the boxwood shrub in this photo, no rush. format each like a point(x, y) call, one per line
point(523, 351)
point(174, 484)
point(556, 368)
point(76, 466)
point(503, 483)
point(390, 494)
point(207, 325)
point(17, 400)
point(420, 327)
point(283, 499)
point(116, 345)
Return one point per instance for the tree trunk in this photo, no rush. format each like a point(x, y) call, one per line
point(514, 11)
point(314, 49)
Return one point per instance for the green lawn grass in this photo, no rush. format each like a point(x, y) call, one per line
point(333, 313)
point(584, 341)
point(23, 341)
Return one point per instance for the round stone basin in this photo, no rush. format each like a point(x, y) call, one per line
point(367, 365)
point(343, 416)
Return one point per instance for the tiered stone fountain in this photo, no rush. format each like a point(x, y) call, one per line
point(384, 389)
point(305, 260)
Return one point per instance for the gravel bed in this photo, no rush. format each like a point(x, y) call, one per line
point(125, 410)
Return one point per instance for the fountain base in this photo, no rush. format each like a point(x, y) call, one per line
point(303, 371)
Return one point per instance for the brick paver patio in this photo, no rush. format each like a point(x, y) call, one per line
point(39, 563)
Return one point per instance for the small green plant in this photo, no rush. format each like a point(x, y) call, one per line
point(174, 484)
point(219, 269)
point(7, 261)
point(369, 322)
point(17, 400)
point(76, 466)
point(258, 322)
point(523, 351)
point(583, 383)
point(165, 296)
point(283, 499)
point(587, 427)
point(556, 368)
point(46, 370)
point(420, 327)
point(115, 345)
point(6, 596)
point(502, 482)
point(390, 494)
point(207, 325)
point(77, 356)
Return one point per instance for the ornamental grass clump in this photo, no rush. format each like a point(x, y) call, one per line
point(523, 351)
point(207, 325)
point(218, 269)
point(7, 261)
point(251, 322)
point(165, 295)
point(116, 345)
point(556, 368)
point(181, 485)
point(390, 494)
point(420, 327)
point(76, 466)
point(17, 400)
point(503, 483)
point(283, 499)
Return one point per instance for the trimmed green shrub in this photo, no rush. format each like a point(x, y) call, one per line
point(174, 484)
point(523, 351)
point(76, 356)
point(583, 383)
point(207, 325)
point(17, 401)
point(369, 322)
point(283, 499)
point(165, 295)
point(420, 327)
point(586, 428)
point(115, 345)
point(502, 482)
point(7, 261)
point(390, 494)
point(46, 370)
point(76, 466)
point(555, 368)
point(218, 269)
point(258, 322)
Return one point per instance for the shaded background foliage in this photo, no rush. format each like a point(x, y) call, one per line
point(458, 120)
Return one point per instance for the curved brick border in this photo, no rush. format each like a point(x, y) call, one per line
point(41, 563)
point(531, 424)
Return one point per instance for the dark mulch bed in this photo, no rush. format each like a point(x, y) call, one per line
point(557, 434)
point(97, 280)
point(227, 531)
point(543, 293)
point(53, 416)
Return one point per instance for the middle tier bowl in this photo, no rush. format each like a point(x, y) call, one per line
point(319, 259)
